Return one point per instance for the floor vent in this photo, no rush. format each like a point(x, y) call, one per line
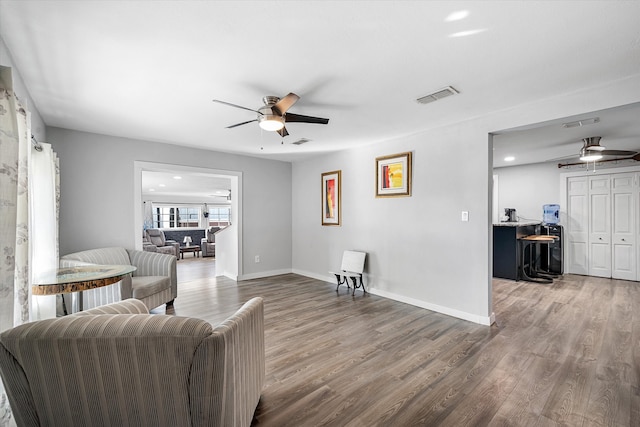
point(439, 94)
point(301, 141)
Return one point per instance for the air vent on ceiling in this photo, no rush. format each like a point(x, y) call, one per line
point(584, 122)
point(301, 141)
point(439, 94)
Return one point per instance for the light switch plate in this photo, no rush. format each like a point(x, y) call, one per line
point(465, 216)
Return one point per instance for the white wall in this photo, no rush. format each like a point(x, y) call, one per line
point(419, 250)
point(97, 194)
point(527, 188)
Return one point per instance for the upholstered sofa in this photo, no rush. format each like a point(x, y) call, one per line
point(157, 238)
point(208, 243)
point(118, 365)
point(154, 282)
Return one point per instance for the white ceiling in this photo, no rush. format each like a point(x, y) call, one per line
point(181, 186)
point(149, 70)
point(552, 142)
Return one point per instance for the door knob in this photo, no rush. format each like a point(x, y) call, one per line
point(599, 238)
point(623, 240)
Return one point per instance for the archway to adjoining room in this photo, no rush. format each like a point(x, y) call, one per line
point(229, 249)
point(535, 165)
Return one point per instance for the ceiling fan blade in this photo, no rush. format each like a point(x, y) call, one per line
point(565, 159)
point(285, 103)
point(236, 106)
point(618, 153)
point(240, 124)
point(299, 118)
point(636, 157)
point(283, 132)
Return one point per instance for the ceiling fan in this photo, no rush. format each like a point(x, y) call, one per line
point(592, 151)
point(273, 115)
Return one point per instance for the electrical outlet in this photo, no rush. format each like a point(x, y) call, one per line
point(257, 258)
point(465, 216)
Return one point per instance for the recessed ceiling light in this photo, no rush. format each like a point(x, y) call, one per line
point(509, 159)
point(152, 189)
point(161, 185)
point(177, 177)
point(467, 33)
point(456, 16)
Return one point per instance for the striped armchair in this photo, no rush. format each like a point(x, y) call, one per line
point(118, 365)
point(154, 282)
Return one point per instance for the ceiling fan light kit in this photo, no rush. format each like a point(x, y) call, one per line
point(587, 155)
point(271, 122)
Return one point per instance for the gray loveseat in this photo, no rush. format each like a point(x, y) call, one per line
point(154, 282)
point(118, 365)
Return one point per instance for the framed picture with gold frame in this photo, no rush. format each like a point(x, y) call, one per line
point(331, 197)
point(393, 175)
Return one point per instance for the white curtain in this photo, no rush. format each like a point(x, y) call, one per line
point(44, 195)
point(17, 251)
point(15, 146)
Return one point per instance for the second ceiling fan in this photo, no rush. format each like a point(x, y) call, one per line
point(592, 150)
point(273, 115)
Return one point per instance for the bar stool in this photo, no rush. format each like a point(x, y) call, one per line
point(533, 244)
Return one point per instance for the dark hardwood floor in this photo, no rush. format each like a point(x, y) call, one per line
point(561, 354)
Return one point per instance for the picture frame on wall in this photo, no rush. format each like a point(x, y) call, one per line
point(331, 197)
point(393, 175)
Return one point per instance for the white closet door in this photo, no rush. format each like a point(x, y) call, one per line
point(623, 235)
point(599, 226)
point(577, 226)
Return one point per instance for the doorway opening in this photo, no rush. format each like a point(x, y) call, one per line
point(532, 164)
point(229, 251)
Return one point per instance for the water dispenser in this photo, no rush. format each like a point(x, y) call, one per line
point(551, 214)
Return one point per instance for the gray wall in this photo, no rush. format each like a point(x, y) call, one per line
point(419, 249)
point(97, 194)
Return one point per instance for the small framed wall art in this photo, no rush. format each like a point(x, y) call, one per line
point(331, 198)
point(393, 175)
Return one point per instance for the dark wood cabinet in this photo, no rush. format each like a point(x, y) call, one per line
point(506, 250)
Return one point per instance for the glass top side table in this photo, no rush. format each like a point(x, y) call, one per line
point(78, 279)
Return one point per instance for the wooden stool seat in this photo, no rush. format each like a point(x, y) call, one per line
point(534, 274)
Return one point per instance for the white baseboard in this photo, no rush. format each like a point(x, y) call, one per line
point(482, 320)
point(229, 276)
point(262, 274)
point(330, 279)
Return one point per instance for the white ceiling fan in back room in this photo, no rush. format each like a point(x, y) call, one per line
point(273, 115)
point(592, 151)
